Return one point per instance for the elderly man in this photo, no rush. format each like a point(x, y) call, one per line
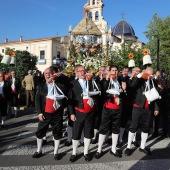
point(28, 84)
point(50, 111)
point(141, 110)
point(81, 108)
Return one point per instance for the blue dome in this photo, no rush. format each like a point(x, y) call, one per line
point(123, 28)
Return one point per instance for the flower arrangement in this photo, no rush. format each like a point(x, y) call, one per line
point(10, 52)
point(145, 52)
point(131, 55)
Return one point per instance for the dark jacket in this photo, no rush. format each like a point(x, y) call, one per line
point(6, 91)
point(17, 84)
point(40, 98)
point(106, 96)
point(138, 85)
point(75, 97)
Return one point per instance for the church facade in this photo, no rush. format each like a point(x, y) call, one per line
point(51, 50)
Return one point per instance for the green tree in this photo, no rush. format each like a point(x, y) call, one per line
point(120, 57)
point(158, 34)
point(24, 62)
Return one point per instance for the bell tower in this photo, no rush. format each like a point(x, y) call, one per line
point(96, 13)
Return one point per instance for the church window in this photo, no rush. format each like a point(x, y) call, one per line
point(94, 2)
point(58, 54)
point(97, 15)
point(90, 15)
point(42, 54)
point(2, 50)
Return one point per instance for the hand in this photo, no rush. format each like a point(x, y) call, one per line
point(156, 112)
point(123, 85)
point(18, 96)
point(41, 117)
point(73, 118)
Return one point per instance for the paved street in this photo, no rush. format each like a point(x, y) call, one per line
point(18, 143)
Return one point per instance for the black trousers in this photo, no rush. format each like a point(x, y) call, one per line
point(110, 118)
point(55, 120)
point(126, 114)
point(14, 100)
point(86, 121)
point(3, 107)
point(140, 115)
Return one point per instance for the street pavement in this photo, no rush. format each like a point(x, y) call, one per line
point(18, 143)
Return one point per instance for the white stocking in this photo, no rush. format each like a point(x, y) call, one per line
point(56, 146)
point(100, 143)
point(114, 142)
point(39, 145)
point(130, 139)
point(75, 145)
point(86, 145)
point(144, 137)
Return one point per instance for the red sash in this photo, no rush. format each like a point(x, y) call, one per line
point(49, 106)
point(13, 91)
point(112, 105)
point(87, 108)
point(145, 106)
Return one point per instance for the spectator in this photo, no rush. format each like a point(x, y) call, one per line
point(28, 84)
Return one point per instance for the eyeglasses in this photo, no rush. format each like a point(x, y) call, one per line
point(81, 71)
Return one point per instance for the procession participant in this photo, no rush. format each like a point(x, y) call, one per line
point(111, 114)
point(50, 103)
point(15, 92)
point(81, 108)
point(58, 75)
point(5, 94)
point(127, 105)
point(141, 110)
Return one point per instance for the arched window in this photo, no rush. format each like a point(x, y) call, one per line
point(94, 2)
point(97, 15)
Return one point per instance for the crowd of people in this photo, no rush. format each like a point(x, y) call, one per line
point(98, 106)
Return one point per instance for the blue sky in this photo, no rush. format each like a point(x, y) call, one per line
point(48, 18)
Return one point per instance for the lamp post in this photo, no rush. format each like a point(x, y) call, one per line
point(157, 66)
point(70, 60)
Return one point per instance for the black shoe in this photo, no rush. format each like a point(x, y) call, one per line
point(128, 152)
point(37, 155)
point(87, 158)
point(119, 144)
point(94, 141)
point(56, 157)
point(44, 142)
point(12, 115)
point(136, 144)
point(67, 143)
point(147, 152)
point(73, 158)
point(116, 154)
point(15, 116)
point(98, 155)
